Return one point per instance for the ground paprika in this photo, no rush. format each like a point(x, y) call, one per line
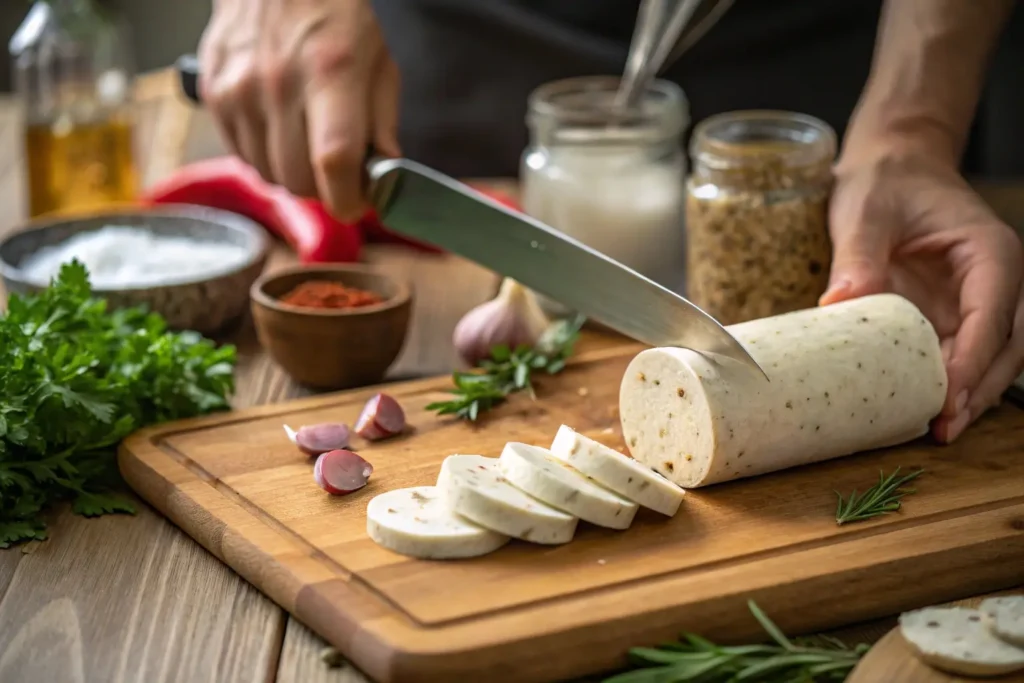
point(329, 295)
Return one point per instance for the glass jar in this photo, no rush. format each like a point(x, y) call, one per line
point(756, 214)
point(72, 73)
point(611, 179)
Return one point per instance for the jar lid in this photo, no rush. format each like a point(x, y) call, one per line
point(739, 138)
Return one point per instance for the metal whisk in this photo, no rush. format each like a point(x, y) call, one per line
point(665, 29)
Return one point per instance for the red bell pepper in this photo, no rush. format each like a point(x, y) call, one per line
point(228, 183)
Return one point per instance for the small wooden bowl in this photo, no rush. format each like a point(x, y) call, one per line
point(332, 349)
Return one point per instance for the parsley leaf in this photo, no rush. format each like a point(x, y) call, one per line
point(75, 379)
point(95, 504)
point(18, 531)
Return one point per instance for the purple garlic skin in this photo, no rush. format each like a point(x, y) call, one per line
point(381, 417)
point(512, 318)
point(320, 438)
point(340, 472)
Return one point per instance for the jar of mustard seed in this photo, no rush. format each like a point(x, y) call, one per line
point(757, 214)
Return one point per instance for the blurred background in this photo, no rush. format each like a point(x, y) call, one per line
point(162, 30)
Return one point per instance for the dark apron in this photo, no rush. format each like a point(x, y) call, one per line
point(469, 65)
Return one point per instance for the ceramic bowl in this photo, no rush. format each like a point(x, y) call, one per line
point(209, 304)
point(332, 349)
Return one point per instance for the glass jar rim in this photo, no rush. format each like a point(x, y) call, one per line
point(589, 101)
point(734, 138)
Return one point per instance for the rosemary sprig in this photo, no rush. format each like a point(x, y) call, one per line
point(880, 499)
point(510, 370)
point(820, 659)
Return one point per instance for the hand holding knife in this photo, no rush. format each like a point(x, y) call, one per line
point(418, 202)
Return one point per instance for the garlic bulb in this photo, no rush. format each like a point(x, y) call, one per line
point(513, 317)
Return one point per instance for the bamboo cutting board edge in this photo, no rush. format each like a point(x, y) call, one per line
point(388, 644)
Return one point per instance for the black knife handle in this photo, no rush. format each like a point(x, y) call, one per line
point(188, 76)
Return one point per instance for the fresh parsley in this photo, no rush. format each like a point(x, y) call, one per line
point(75, 379)
point(819, 659)
point(508, 371)
point(882, 498)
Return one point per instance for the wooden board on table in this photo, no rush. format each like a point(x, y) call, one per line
point(891, 660)
point(529, 612)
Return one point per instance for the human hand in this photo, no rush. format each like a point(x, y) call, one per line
point(299, 90)
point(912, 225)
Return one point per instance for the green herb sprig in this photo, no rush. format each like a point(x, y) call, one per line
point(882, 498)
point(508, 371)
point(820, 659)
point(75, 379)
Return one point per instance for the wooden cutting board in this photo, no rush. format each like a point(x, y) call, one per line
point(891, 660)
point(534, 613)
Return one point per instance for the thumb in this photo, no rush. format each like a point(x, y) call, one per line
point(860, 260)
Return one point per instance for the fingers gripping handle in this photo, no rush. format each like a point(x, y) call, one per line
point(188, 77)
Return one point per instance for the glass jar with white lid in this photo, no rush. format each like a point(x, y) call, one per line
point(613, 180)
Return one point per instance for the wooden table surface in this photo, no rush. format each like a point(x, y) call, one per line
point(123, 599)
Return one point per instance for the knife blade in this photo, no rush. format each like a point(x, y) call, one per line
point(419, 202)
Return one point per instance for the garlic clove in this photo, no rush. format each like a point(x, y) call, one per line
point(512, 318)
point(292, 434)
point(320, 438)
point(381, 417)
point(340, 472)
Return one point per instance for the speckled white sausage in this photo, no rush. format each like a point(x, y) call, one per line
point(474, 488)
point(1004, 616)
point(537, 472)
point(416, 522)
point(849, 377)
point(618, 472)
point(955, 640)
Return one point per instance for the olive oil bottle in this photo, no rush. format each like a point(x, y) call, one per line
point(73, 75)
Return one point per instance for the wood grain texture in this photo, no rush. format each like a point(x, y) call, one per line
point(9, 561)
point(238, 486)
point(302, 659)
point(892, 660)
point(163, 609)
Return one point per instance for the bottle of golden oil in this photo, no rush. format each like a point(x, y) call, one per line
point(73, 75)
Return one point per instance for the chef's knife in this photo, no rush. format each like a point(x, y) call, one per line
point(418, 202)
point(421, 203)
